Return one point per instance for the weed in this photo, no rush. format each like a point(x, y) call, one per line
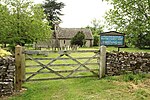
point(133, 77)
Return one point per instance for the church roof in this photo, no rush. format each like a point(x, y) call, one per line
point(68, 33)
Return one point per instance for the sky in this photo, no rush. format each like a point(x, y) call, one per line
point(80, 13)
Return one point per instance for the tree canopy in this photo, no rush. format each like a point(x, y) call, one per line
point(5, 21)
point(131, 17)
point(96, 28)
point(53, 9)
point(21, 21)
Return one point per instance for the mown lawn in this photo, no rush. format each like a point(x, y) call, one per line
point(121, 49)
point(126, 87)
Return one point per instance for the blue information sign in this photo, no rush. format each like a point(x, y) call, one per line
point(112, 40)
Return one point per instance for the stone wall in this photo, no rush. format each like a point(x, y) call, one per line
point(7, 71)
point(122, 62)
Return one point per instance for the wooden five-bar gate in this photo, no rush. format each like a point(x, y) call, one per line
point(33, 65)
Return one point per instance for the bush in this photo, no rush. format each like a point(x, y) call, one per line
point(4, 53)
point(78, 39)
point(96, 40)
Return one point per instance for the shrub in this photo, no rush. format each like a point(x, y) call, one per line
point(96, 40)
point(4, 53)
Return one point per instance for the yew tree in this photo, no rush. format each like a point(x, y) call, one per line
point(53, 11)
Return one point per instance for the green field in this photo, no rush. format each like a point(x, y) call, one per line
point(125, 87)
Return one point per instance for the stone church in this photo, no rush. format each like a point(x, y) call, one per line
point(61, 37)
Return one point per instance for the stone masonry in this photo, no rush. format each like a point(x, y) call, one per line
point(122, 62)
point(7, 71)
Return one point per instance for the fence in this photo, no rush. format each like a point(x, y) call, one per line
point(28, 68)
point(38, 68)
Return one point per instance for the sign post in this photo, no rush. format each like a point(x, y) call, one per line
point(112, 38)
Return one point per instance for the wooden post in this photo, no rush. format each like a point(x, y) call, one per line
point(118, 49)
point(18, 72)
point(23, 64)
point(102, 61)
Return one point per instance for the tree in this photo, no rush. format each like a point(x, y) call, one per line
point(131, 17)
point(96, 40)
point(78, 39)
point(5, 23)
point(26, 22)
point(53, 10)
point(96, 29)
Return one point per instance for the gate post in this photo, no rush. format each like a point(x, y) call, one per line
point(18, 67)
point(102, 61)
point(23, 64)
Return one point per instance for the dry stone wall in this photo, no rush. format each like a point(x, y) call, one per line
point(122, 62)
point(7, 71)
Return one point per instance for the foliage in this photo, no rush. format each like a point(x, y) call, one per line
point(5, 23)
point(131, 18)
point(22, 22)
point(96, 29)
point(53, 10)
point(4, 53)
point(96, 40)
point(78, 39)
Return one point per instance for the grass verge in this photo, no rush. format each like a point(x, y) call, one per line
point(108, 88)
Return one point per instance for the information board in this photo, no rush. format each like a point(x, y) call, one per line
point(112, 40)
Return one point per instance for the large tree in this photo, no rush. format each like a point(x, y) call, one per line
point(5, 23)
point(131, 17)
point(96, 28)
point(24, 22)
point(53, 9)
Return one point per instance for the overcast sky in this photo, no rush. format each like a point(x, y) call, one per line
point(80, 13)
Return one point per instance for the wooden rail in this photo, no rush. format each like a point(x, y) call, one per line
point(35, 66)
point(32, 52)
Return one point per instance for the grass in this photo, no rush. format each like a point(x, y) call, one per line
point(62, 68)
point(110, 48)
point(125, 87)
point(108, 88)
